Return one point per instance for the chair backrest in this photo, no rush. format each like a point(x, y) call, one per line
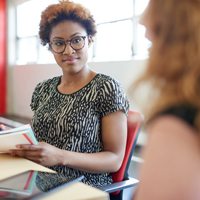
point(134, 123)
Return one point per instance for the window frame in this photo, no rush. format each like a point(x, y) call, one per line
point(93, 57)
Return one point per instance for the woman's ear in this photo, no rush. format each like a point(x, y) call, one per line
point(90, 40)
point(49, 47)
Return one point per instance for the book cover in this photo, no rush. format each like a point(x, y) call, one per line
point(20, 135)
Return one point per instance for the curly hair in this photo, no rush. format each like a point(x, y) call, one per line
point(173, 68)
point(65, 10)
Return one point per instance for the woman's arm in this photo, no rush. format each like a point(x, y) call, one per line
point(171, 162)
point(114, 134)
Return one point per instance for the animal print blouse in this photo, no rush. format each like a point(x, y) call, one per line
point(73, 121)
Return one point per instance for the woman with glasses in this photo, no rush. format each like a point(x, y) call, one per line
point(171, 169)
point(80, 118)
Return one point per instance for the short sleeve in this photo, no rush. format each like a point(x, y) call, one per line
point(112, 98)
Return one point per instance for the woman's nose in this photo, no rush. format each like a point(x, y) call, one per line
point(144, 17)
point(68, 49)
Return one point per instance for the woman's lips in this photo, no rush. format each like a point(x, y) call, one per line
point(69, 60)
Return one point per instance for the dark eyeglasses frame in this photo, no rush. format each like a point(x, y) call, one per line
point(68, 42)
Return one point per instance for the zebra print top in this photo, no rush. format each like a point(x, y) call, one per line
point(73, 121)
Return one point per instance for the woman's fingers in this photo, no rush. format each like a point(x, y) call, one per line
point(30, 155)
point(2, 127)
point(40, 153)
point(26, 151)
point(31, 147)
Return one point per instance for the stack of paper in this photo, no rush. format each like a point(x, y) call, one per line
point(20, 135)
point(11, 166)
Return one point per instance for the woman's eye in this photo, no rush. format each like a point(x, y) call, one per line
point(76, 40)
point(59, 43)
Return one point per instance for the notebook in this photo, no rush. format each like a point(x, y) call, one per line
point(20, 135)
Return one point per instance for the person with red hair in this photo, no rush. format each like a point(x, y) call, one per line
point(171, 168)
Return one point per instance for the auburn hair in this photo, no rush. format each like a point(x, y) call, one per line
point(173, 68)
point(65, 10)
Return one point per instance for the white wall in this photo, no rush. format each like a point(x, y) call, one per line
point(23, 79)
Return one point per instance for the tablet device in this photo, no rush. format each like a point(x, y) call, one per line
point(32, 184)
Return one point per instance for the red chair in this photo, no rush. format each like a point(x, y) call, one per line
point(121, 179)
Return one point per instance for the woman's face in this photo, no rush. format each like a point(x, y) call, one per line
point(70, 40)
point(145, 21)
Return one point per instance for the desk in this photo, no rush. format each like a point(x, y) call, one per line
point(77, 191)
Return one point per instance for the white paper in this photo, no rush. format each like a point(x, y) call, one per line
point(20, 135)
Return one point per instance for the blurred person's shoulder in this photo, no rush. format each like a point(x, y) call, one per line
point(174, 133)
point(181, 114)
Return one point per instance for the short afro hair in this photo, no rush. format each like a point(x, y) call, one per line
point(65, 10)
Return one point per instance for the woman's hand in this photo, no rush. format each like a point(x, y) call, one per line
point(2, 127)
point(43, 153)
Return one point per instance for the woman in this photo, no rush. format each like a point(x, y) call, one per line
point(171, 169)
point(80, 118)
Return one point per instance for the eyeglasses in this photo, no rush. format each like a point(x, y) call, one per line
point(76, 43)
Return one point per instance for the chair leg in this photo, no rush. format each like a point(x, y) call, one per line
point(117, 197)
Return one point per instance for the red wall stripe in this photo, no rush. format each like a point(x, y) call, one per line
point(2, 57)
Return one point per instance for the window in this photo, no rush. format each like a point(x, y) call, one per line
point(114, 40)
point(28, 45)
point(119, 35)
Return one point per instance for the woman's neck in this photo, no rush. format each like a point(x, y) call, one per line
point(74, 78)
point(74, 82)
